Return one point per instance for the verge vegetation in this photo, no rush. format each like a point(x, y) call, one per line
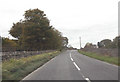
point(17, 69)
point(106, 58)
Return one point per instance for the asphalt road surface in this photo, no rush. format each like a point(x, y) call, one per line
point(71, 65)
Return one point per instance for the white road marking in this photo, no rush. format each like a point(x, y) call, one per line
point(76, 66)
point(87, 79)
point(83, 76)
point(70, 55)
point(29, 75)
point(108, 63)
point(71, 59)
point(103, 62)
point(74, 62)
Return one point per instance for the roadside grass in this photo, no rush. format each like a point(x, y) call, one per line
point(105, 58)
point(17, 69)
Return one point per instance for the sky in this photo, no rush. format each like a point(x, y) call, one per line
point(92, 20)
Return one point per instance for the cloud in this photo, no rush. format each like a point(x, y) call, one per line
point(93, 20)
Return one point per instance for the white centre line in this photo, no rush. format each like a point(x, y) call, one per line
point(71, 59)
point(76, 66)
point(70, 55)
point(87, 79)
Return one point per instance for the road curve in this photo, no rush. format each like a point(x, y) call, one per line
point(71, 65)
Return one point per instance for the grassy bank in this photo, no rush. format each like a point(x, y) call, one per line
point(17, 69)
point(109, 59)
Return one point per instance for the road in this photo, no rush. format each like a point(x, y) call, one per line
point(71, 65)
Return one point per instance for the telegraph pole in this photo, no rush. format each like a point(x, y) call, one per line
point(80, 42)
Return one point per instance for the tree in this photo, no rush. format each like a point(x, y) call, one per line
point(16, 30)
point(35, 32)
point(106, 43)
point(116, 42)
point(90, 45)
point(99, 45)
point(65, 42)
point(8, 44)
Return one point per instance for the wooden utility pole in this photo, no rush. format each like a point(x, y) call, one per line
point(80, 42)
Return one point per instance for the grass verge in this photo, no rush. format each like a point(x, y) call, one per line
point(109, 59)
point(17, 69)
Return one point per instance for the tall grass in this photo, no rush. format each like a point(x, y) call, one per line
point(17, 69)
point(106, 58)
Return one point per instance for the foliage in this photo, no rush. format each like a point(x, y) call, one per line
point(109, 59)
point(16, 30)
point(8, 42)
point(65, 42)
point(35, 32)
point(90, 45)
point(17, 69)
point(106, 43)
point(116, 42)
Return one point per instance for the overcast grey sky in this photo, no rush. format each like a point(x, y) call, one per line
point(93, 20)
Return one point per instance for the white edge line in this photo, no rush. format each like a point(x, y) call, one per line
point(76, 66)
point(103, 62)
point(108, 63)
point(38, 68)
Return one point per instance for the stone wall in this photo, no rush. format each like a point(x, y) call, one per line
point(103, 51)
point(20, 54)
